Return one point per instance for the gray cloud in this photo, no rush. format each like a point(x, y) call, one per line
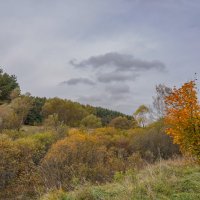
point(117, 67)
point(117, 89)
point(104, 99)
point(116, 77)
point(111, 95)
point(119, 62)
point(75, 81)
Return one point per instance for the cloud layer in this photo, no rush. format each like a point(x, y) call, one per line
point(119, 62)
point(114, 73)
point(114, 67)
point(122, 48)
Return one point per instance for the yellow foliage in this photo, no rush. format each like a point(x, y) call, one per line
point(183, 118)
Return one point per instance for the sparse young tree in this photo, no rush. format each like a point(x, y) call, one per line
point(52, 122)
point(12, 115)
point(142, 115)
point(8, 118)
point(21, 107)
point(15, 93)
point(162, 92)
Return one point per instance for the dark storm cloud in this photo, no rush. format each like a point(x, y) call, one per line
point(75, 81)
point(119, 62)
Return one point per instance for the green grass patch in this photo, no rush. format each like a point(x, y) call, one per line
point(166, 180)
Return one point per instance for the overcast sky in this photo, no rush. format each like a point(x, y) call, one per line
point(108, 53)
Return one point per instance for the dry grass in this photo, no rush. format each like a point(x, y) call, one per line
point(177, 179)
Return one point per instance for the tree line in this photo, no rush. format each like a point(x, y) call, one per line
point(17, 109)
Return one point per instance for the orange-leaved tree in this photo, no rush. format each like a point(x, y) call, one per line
point(183, 118)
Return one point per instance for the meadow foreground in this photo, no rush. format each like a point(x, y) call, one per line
point(177, 179)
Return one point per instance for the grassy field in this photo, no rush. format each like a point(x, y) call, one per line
point(166, 180)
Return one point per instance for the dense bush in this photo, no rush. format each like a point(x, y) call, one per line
point(152, 143)
point(17, 169)
point(79, 157)
point(68, 112)
point(19, 163)
point(97, 155)
point(29, 162)
point(123, 123)
point(91, 121)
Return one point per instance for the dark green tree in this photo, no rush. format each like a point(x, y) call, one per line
point(34, 116)
point(107, 115)
point(7, 84)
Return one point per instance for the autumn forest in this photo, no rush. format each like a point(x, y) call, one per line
point(53, 148)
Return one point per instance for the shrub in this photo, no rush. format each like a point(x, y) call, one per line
point(122, 123)
point(79, 156)
point(17, 170)
point(91, 121)
point(152, 142)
